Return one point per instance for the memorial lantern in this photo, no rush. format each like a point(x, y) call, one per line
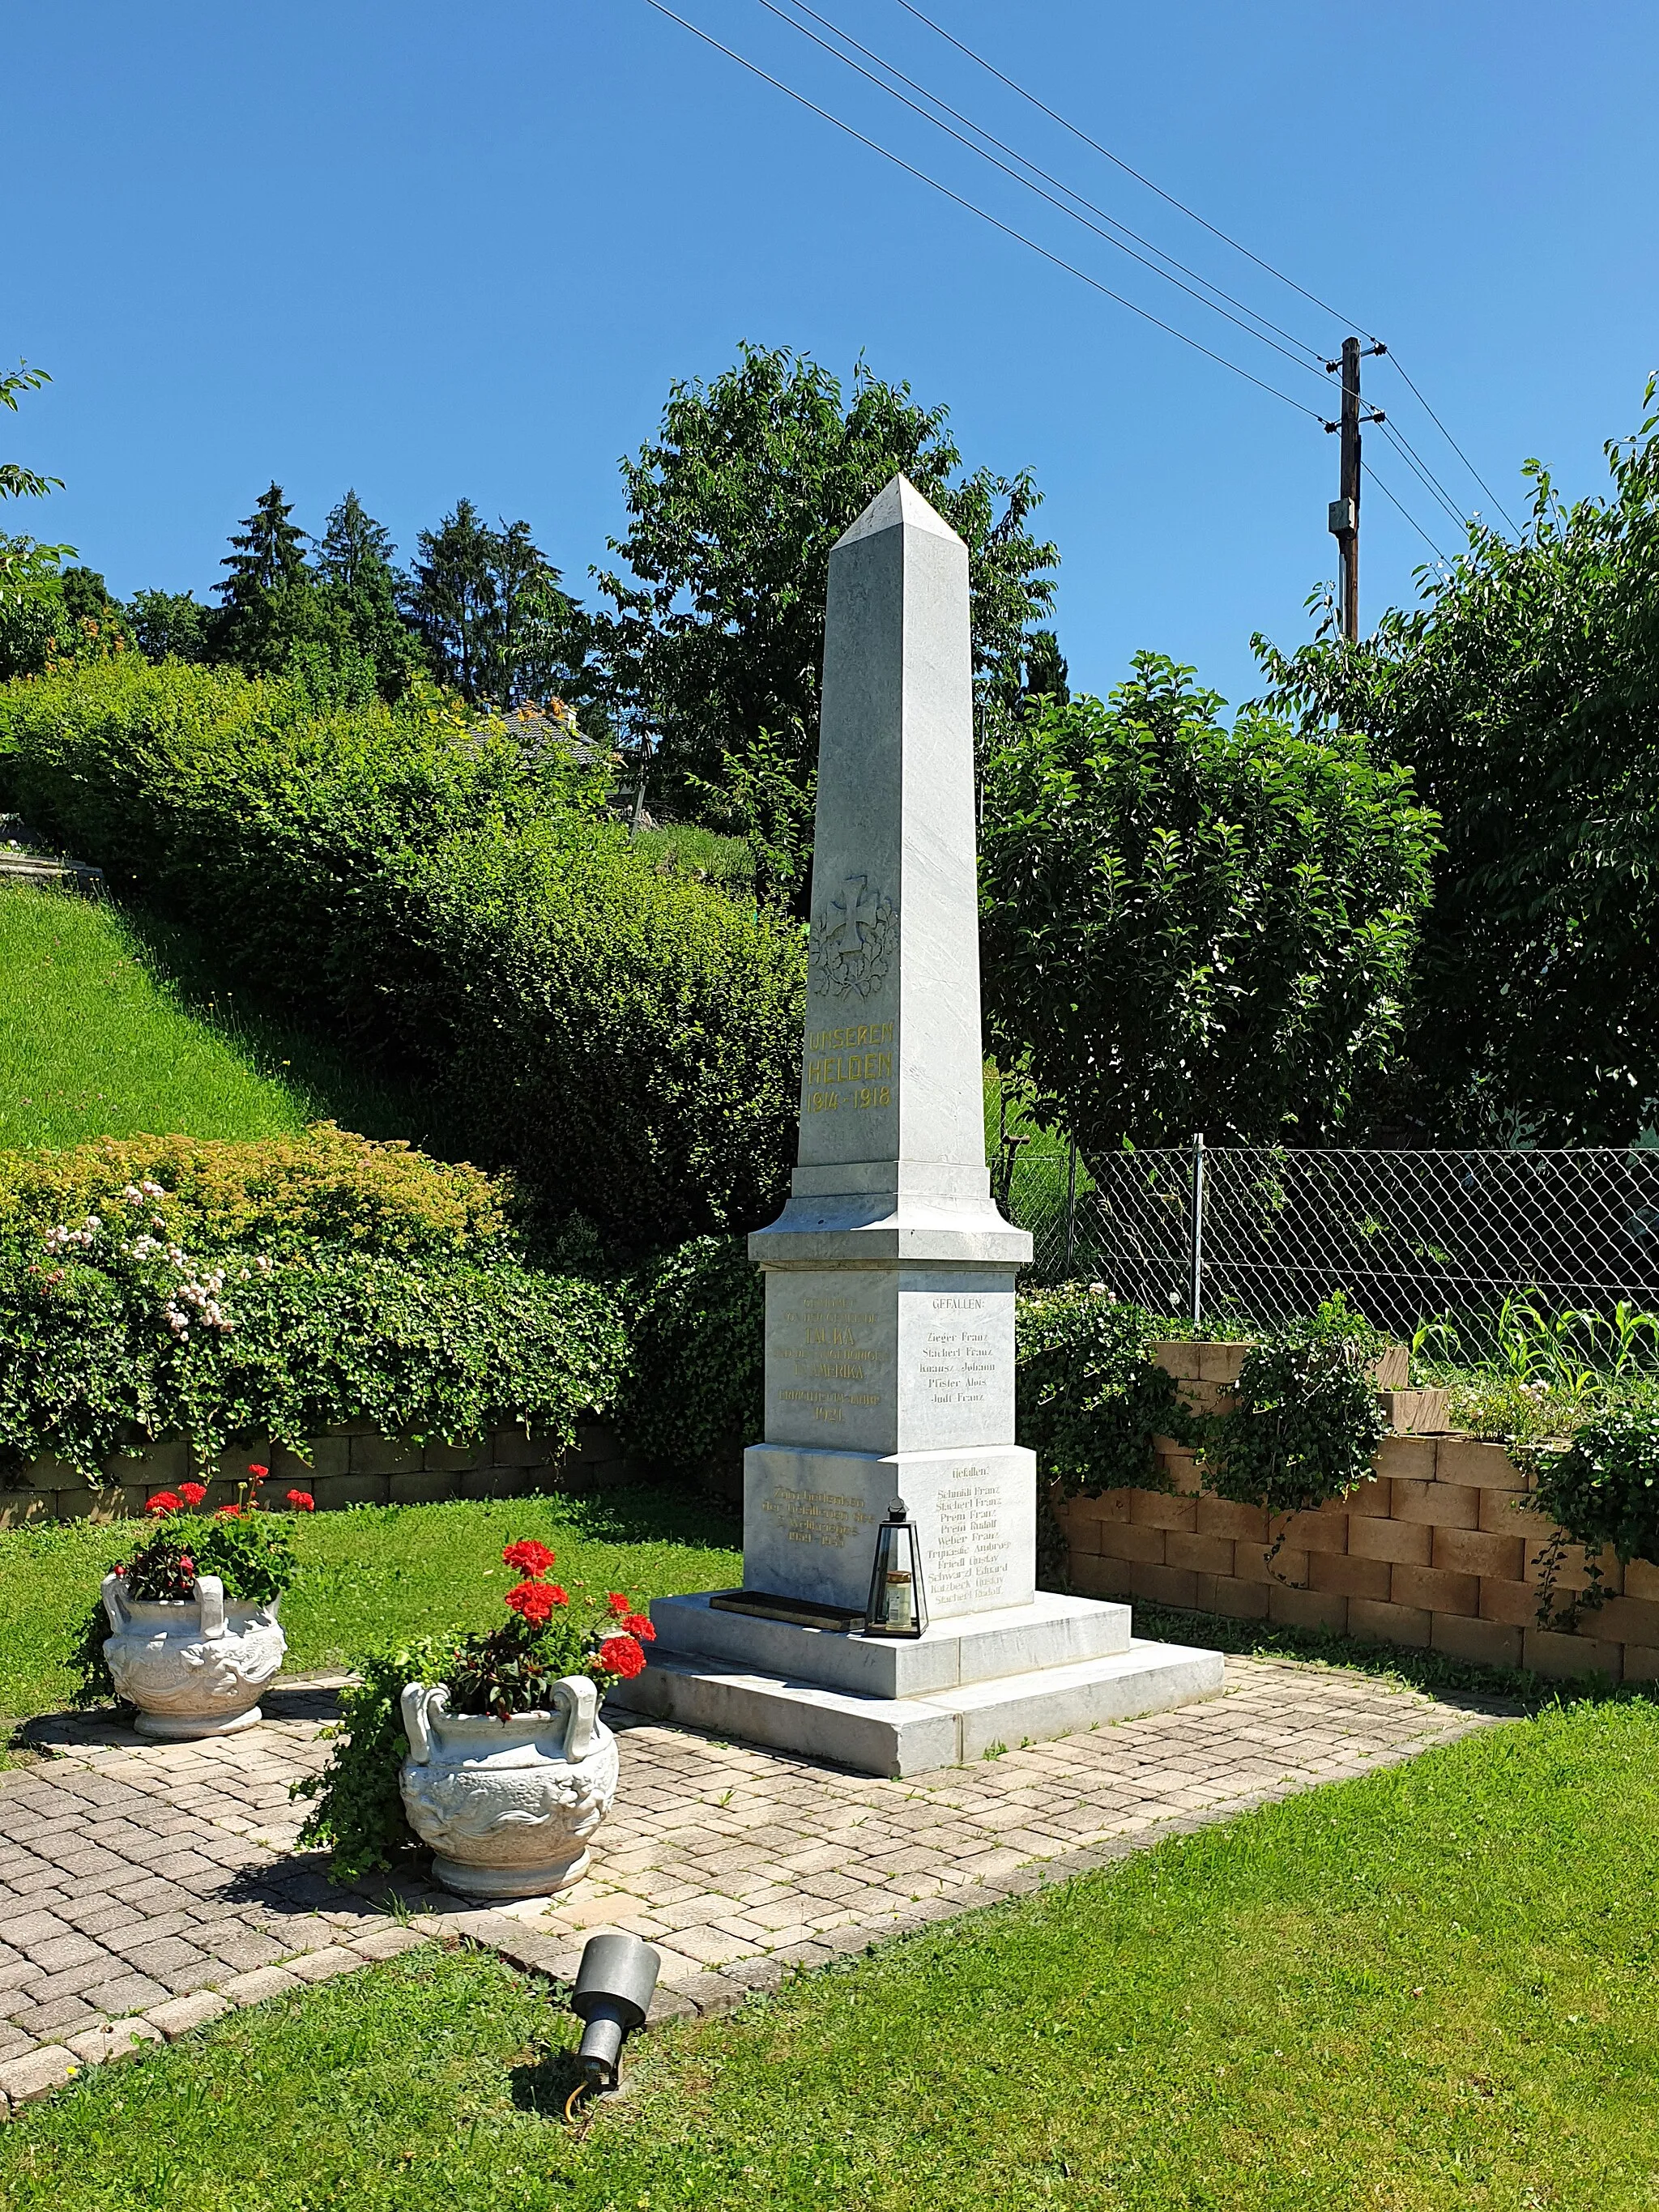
point(899, 1602)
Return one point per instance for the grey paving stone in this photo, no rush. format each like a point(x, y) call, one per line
point(37, 2074)
point(184, 2014)
point(114, 2039)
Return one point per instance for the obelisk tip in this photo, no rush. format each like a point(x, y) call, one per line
point(897, 506)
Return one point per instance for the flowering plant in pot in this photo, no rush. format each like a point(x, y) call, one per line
point(488, 1747)
point(186, 1630)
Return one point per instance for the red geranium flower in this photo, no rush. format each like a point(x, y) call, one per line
point(621, 1655)
point(257, 1473)
point(192, 1492)
point(186, 1564)
point(228, 1513)
point(534, 1601)
point(619, 1605)
point(302, 1501)
point(637, 1625)
point(529, 1556)
point(560, 1597)
point(165, 1501)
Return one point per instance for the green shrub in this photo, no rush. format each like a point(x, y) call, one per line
point(625, 1038)
point(1602, 1490)
point(275, 1196)
point(1089, 1397)
point(1305, 1420)
point(110, 1335)
point(696, 1360)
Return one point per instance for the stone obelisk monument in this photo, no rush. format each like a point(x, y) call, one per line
point(890, 1275)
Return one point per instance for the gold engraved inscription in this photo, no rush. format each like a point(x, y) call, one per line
point(827, 1345)
point(817, 1516)
point(847, 1068)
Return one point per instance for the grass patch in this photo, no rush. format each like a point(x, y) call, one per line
point(113, 1026)
point(371, 1574)
point(1427, 1990)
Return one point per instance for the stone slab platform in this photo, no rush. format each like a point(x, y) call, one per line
point(151, 1886)
point(903, 1737)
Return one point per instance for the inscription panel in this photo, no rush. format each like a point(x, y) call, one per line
point(830, 1346)
point(956, 1361)
point(974, 1538)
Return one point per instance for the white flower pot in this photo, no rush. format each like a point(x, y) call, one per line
point(193, 1667)
point(507, 1807)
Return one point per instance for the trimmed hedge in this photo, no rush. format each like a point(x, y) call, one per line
point(625, 1038)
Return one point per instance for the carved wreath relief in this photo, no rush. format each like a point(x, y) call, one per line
point(853, 944)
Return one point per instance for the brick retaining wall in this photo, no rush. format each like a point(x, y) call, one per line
point(354, 1465)
point(1440, 1551)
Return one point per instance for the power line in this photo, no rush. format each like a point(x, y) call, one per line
point(1054, 115)
point(1106, 153)
point(1409, 516)
point(1315, 353)
point(1422, 472)
point(1457, 449)
point(972, 207)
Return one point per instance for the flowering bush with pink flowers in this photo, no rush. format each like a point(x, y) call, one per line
point(549, 1633)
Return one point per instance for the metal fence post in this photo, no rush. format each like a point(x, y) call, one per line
point(1195, 1250)
point(1071, 1207)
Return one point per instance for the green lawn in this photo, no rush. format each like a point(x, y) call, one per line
point(112, 1027)
point(371, 1574)
point(1427, 1990)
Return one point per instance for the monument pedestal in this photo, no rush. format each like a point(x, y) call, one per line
point(890, 1275)
point(902, 1706)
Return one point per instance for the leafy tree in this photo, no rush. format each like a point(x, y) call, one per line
point(266, 597)
point(717, 632)
point(1191, 927)
point(27, 570)
point(494, 617)
point(354, 565)
point(1523, 690)
point(170, 625)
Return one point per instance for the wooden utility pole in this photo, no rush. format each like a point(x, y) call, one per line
point(1344, 515)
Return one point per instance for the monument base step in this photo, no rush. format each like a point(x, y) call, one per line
point(1053, 1631)
point(902, 1736)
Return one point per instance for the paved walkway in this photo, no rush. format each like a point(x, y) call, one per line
point(157, 1884)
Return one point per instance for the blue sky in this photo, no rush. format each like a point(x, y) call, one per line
point(431, 251)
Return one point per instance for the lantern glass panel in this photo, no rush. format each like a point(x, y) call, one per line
point(898, 1599)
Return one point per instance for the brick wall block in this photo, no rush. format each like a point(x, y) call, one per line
point(1393, 1372)
point(1227, 1593)
point(429, 1487)
point(1410, 1457)
point(1410, 1542)
point(1374, 1498)
point(1206, 1397)
point(1390, 1624)
point(1435, 1590)
point(1501, 1513)
point(439, 1458)
point(1181, 1466)
point(1219, 1516)
point(1125, 1540)
point(504, 1481)
point(1572, 1574)
point(1548, 1652)
point(1259, 1562)
point(1642, 1663)
point(1220, 1362)
point(1482, 1466)
point(1210, 1555)
point(1155, 1509)
point(1178, 1358)
point(1626, 1620)
point(1472, 1552)
point(1642, 1580)
point(22, 1509)
point(1082, 1536)
point(331, 1492)
point(1308, 1608)
point(1326, 1530)
point(1162, 1585)
point(1097, 1577)
point(384, 1456)
point(1488, 1642)
point(166, 1462)
point(330, 1455)
point(596, 1442)
point(1342, 1574)
point(1513, 1603)
point(1441, 1504)
point(512, 1447)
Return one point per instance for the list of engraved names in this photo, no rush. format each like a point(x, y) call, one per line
point(972, 1550)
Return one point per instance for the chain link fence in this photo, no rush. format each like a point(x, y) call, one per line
point(1410, 1237)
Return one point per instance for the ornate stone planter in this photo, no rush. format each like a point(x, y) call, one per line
point(193, 1667)
point(507, 1807)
